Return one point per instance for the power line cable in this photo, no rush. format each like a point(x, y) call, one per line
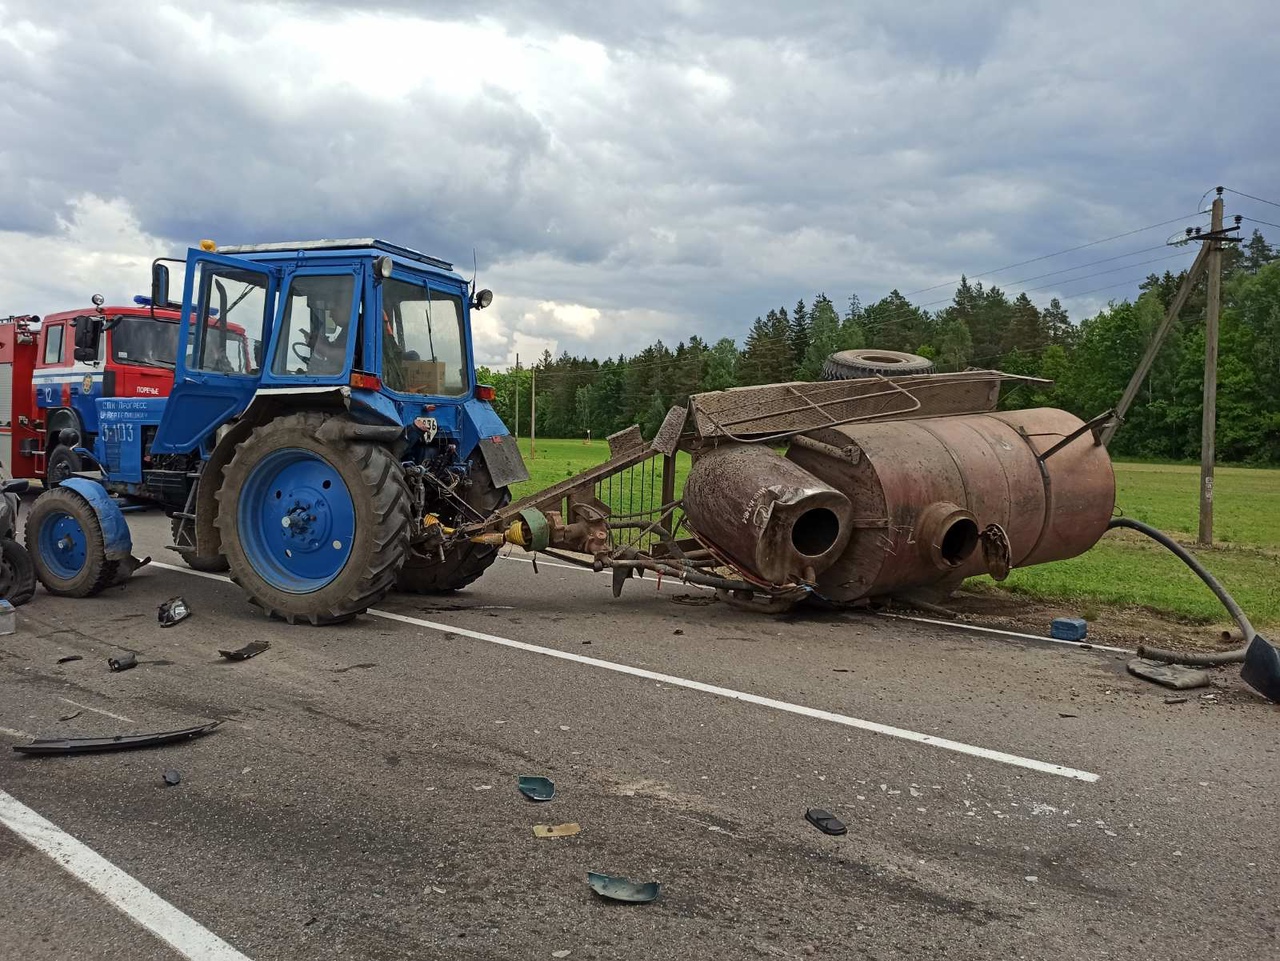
point(1261, 200)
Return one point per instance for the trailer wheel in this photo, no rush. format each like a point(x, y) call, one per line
point(463, 562)
point(61, 463)
point(65, 541)
point(197, 562)
point(851, 364)
point(17, 573)
point(312, 530)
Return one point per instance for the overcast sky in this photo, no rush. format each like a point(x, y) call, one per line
point(630, 170)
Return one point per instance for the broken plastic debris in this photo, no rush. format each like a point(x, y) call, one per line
point(120, 742)
point(71, 717)
point(173, 610)
point(123, 662)
point(252, 649)
point(537, 788)
point(556, 830)
point(564, 953)
point(172, 777)
point(825, 821)
point(69, 657)
point(622, 889)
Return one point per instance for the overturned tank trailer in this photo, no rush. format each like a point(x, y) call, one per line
point(845, 491)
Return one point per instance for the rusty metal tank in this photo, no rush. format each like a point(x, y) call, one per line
point(888, 508)
point(776, 520)
point(923, 493)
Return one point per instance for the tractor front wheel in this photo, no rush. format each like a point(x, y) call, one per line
point(313, 530)
point(65, 540)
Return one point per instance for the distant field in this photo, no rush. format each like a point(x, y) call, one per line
point(1125, 569)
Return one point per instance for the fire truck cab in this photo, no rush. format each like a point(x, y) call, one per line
point(53, 371)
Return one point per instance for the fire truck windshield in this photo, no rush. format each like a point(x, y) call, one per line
point(154, 343)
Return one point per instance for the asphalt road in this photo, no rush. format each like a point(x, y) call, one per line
point(359, 801)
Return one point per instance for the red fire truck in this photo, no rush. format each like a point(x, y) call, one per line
point(52, 372)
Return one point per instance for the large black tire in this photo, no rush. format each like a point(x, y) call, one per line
point(852, 364)
point(17, 573)
point(61, 463)
point(97, 571)
point(463, 562)
point(216, 564)
point(375, 481)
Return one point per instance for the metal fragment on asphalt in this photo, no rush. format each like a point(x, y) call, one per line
point(172, 777)
point(252, 649)
point(122, 663)
point(120, 742)
point(66, 659)
point(537, 788)
point(173, 610)
point(623, 889)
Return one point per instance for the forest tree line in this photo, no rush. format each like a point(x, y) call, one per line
point(1089, 363)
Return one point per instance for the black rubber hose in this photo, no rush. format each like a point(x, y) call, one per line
point(1191, 658)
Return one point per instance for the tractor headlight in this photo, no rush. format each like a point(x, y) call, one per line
point(482, 299)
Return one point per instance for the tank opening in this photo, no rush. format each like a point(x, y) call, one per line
point(816, 531)
point(959, 541)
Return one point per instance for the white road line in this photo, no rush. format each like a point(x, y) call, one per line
point(181, 932)
point(1084, 645)
point(118, 717)
point(847, 720)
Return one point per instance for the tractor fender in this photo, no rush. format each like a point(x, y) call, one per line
point(483, 429)
point(115, 531)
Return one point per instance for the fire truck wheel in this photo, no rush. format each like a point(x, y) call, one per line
point(315, 529)
point(426, 573)
point(65, 540)
point(61, 463)
point(17, 573)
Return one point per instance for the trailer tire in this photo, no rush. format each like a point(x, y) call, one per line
point(313, 530)
point(852, 364)
point(67, 547)
point(61, 463)
point(17, 573)
point(217, 564)
point(463, 562)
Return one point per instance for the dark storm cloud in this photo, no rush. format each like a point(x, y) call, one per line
point(697, 163)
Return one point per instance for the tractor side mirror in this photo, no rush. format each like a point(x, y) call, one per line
point(159, 285)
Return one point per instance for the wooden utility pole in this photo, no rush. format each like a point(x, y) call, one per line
point(516, 381)
point(1209, 415)
point(533, 414)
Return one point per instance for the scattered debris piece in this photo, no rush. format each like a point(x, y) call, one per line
point(120, 742)
point(621, 889)
point(483, 787)
point(1069, 628)
point(252, 649)
point(70, 717)
point(564, 953)
point(1031, 878)
point(67, 658)
point(537, 788)
point(172, 777)
point(556, 830)
point(123, 663)
point(840, 670)
point(1065, 714)
point(677, 631)
point(1170, 675)
point(693, 600)
point(1175, 700)
point(825, 821)
point(1261, 669)
point(173, 610)
point(1209, 698)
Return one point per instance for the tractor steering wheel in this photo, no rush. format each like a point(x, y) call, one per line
point(305, 358)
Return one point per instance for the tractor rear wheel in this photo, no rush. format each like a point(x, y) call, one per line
point(64, 538)
point(313, 530)
point(197, 562)
point(463, 562)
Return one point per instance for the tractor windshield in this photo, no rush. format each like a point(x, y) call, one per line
point(423, 349)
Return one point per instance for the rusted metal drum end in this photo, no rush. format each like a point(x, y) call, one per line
point(947, 535)
point(771, 516)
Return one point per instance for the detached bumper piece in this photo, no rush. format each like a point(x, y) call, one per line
point(120, 742)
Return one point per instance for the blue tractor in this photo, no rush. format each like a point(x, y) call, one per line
point(328, 469)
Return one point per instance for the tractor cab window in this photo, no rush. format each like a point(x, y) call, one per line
point(315, 326)
point(233, 307)
point(423, 348)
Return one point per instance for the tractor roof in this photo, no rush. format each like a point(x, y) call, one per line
point(361, 243)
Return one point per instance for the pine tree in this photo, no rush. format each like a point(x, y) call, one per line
point(799, 335)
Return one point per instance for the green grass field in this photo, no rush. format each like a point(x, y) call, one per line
point(1126, 568)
